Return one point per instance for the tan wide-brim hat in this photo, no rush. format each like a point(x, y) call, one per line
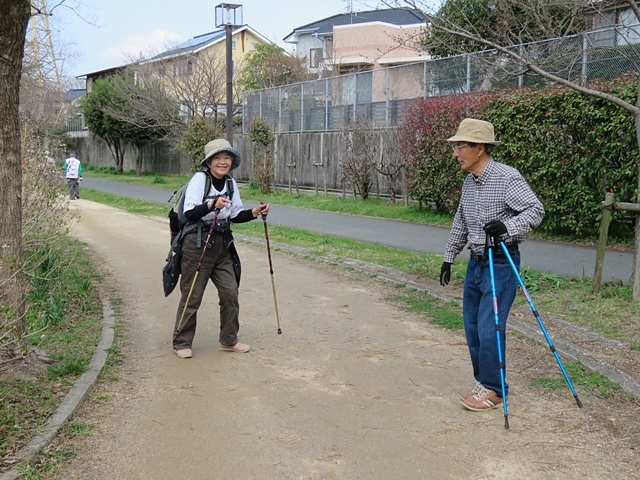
point(474, 131)
point(220, 145)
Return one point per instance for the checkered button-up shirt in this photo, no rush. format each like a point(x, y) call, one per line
point(500, 193)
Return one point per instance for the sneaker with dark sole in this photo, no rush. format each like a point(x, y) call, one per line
point(483, 399)
point(470, 393)
point(184, 353)
point(238, 348)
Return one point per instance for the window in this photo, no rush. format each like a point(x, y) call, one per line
point(315, 57)
point(629, 35)
point(186, 110)
point(328, 46)
point(162, 70)
point(233, 44)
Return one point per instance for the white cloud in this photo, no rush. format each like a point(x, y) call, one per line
point(141, 45)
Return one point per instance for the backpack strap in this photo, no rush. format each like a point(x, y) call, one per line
point(230, 192)
point(205, 195)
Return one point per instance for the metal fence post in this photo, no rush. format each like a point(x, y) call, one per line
point(302, 107)
point(521, 76)
point(424, 80)
point(326, 104)
point(355, 95)
point(584, 59)
point(468, 73)
point(279, 109)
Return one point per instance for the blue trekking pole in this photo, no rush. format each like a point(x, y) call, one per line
point(544, 330)
point(490, 247)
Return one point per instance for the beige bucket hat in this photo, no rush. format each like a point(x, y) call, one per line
point(474, 131)
point(220, 145)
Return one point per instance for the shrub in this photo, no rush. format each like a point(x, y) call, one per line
point(361, 151)
point(199, 132)
point(431, 174)
point(572, 148)
point(262, 137)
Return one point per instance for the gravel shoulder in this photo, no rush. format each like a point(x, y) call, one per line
point(354, 388)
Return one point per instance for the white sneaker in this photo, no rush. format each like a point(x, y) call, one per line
point(238, 347)
point(184, 353)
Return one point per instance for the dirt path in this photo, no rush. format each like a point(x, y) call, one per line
point(354, 388)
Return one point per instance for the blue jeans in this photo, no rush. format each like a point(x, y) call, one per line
point(479, 319)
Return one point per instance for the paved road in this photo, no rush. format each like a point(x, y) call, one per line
point(568, 260)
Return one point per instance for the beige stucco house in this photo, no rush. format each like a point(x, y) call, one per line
point(364, 43)
point(195, 70)
point(359, 41)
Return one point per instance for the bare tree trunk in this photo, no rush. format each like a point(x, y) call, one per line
point(14, 17)
point(117, 151)
point(139, 159)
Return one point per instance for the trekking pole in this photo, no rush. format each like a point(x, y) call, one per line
point(490, 246)
point(544, 330)
point(273, 285)
point(195, 277)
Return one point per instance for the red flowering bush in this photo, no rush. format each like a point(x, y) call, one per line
point(432, 175)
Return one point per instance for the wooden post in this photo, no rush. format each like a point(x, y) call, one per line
point(324, 179)
point(289, 167)
point(317, 165)
point(635, 292)
point(607, 208)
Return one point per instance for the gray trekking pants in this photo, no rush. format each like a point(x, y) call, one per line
point(217, 266)
point(74, 188)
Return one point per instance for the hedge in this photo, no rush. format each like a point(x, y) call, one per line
point(572, 148)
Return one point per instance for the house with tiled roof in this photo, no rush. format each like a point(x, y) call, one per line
point(201, 61)
point(359, 41)
point(195, 70)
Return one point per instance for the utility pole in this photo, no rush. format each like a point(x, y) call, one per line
point(229, 15)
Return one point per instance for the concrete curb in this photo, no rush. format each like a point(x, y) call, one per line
point(73, 399)
point(566, 349)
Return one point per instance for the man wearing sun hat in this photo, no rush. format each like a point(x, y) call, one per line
point(497, 201)
point(221, 263)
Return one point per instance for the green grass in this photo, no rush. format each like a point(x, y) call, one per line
point(64, 320)
point(168, 182)
point(372, 207)
point(446, 315)
point(580, 376)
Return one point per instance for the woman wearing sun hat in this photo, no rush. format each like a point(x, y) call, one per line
point(220, 263)
point(497, 201)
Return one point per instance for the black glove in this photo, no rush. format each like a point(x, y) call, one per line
point(445, 273)
point(495, 228)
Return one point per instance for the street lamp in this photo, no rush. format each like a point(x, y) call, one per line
point(229, 15)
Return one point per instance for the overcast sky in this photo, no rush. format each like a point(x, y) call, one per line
point(102, 33)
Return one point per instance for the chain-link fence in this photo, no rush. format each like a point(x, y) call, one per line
point(382, 95)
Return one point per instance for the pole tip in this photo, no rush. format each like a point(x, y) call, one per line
point(279, 332)
point(506, 423)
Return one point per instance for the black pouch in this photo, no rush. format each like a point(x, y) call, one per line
point(171, 270)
